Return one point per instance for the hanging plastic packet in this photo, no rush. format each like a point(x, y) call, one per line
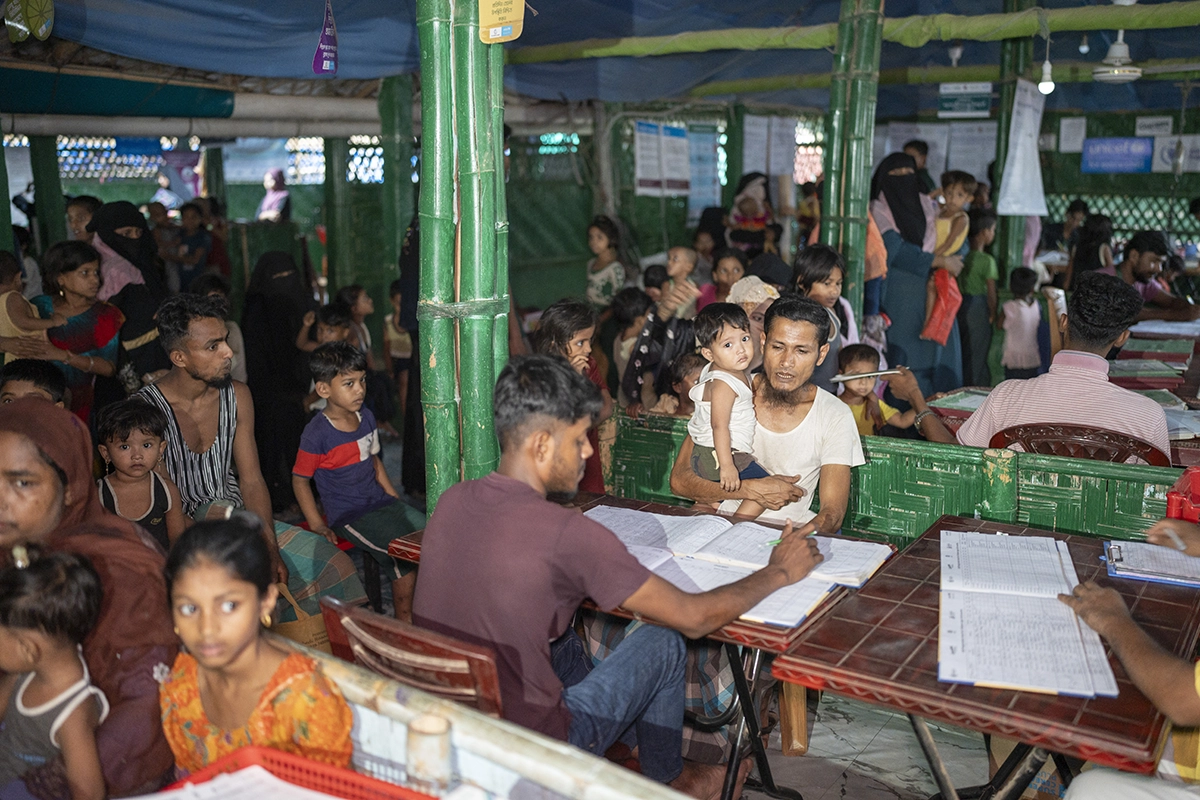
point(325, 60)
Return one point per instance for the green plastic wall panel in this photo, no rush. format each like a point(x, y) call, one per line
point(1092, 498)
point(257, 238)
point(642, 456)
point(906, 485)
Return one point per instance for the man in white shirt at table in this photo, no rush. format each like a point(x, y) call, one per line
point(1169, 682)
point(804, 436)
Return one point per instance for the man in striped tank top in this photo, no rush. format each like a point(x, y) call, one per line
point(211, 454)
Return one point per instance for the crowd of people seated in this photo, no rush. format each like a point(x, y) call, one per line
point(133, 607)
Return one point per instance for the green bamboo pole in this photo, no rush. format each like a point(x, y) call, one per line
point(1015, 55)
point(1064, 72)
point(500, 289)
point(1000, 485)
point(835, 127)
point(908, 31)
point(860, 132)
point(734, 153)
point(339, 225)
point(214, 175)
point(6, 235)
point(436, 332)
point(396, 125)
point(47, 186)
point(477, 239)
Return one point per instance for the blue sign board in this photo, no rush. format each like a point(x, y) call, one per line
point(1117, 155)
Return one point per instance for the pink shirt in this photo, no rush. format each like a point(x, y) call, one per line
point(116, 271)
point(1075, 391)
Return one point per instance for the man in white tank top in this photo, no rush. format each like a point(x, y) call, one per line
point(804, 436)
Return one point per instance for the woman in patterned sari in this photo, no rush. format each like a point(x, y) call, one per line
point(87, 345)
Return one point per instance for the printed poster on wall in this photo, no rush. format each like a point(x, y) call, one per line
point(934, 134)
point(1071, 133)
point(769, 145)
point(1166, 149)
point(705, 175)
point(1021, 190)
point(972, 147)
point(1117, 155)
point(662, 166)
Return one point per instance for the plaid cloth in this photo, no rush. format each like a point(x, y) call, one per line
point(708, 687)
point(315, 567)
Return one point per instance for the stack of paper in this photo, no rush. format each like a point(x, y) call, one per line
point(1164, 398)
point(250, 783)
point(1002, 624)
point(1163, 329)
point(1182, 423)
point(1176, 351)
point(703, 552)
point(1149, 562)
point(1145, 373)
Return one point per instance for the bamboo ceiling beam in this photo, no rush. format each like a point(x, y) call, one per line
point(908, 31)
point(1064, 72)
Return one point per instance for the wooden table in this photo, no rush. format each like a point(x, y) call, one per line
point(758, 637)
point(880, 645)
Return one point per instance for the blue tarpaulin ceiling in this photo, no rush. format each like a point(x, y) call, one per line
point(274, 38)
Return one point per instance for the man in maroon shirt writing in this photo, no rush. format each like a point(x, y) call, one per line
point(504, 567)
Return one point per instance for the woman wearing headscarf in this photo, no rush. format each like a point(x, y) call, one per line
point(59, 510)
point(277, 371)
point(751, 214)
point(906, 218)
point(276, 205)
point(135, 282)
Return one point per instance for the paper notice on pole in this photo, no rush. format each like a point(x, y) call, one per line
point(500, 20)
point(1153, 126)
point(934, 134)
point(1021, 189)
point(647, 160)
point(704, 175)
point(972, 147)
point(756, 133)
point(1071, 133)
point(676, 165)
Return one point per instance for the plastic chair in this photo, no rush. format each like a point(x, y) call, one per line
point(432, 662)
point(1080, 441)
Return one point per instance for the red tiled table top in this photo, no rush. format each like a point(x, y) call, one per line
point(752, 634)
point(880, 645)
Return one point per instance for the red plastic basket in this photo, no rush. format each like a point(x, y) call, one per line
point(1183, 500)
point(303, 772)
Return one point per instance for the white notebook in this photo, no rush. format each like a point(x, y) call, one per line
point(250, 783)
point(1001, 622)
point(703, 552)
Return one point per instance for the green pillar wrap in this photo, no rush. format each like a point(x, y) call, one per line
point(214, 175)
point(734, 145)
point(48, 194)
point(396, 121)
point(999, 486)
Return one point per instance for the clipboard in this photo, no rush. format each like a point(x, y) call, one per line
point(1114, 558)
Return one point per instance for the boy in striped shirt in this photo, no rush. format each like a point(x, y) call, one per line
point(340, 451)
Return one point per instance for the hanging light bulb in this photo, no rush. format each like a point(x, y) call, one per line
point(1083, 45)
point(1046, 86)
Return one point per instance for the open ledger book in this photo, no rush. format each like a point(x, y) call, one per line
point(1002, 624)
point(703, 552)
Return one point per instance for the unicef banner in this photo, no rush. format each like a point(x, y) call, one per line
point(1117, 155)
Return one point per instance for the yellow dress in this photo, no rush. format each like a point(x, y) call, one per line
point(943, 233)
point(865, 428)
point(300, 712)
point(9, 328)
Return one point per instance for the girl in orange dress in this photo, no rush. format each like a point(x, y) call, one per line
point(232, 687)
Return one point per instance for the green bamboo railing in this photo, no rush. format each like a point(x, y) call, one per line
point(1064, 72)
point(436, 329)
point(908, 31)
point(1015, 55)
point(477, 239)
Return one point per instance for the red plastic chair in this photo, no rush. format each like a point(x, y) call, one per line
point(1080, 441)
